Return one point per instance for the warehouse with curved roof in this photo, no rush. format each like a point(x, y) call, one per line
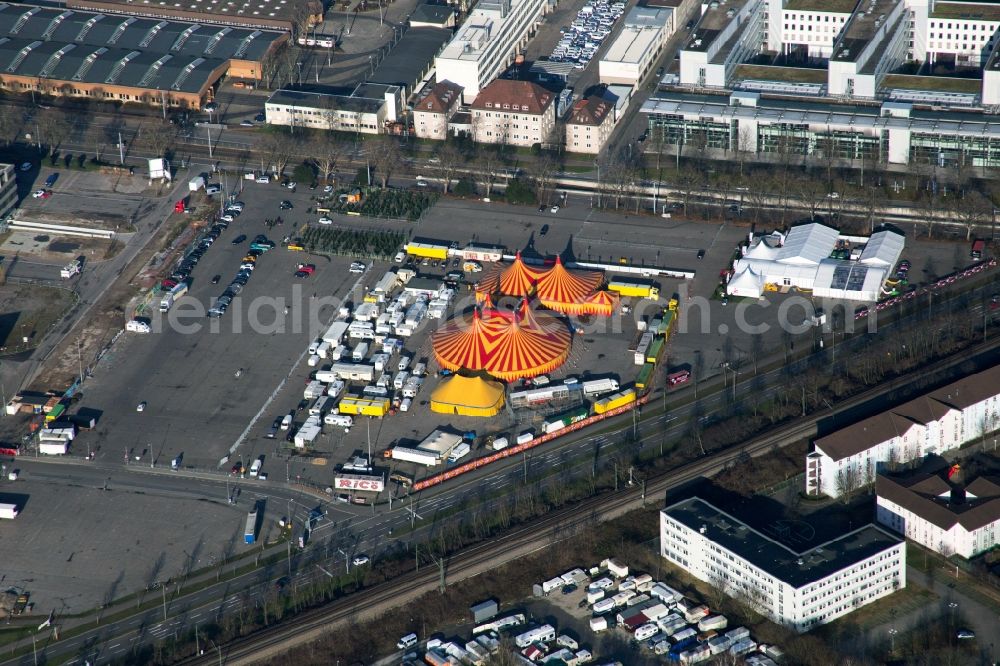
point(122, 58)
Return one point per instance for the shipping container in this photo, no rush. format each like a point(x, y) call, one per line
point(614, 401)
point(377, 407)
point(250, 533)
point(635, 288)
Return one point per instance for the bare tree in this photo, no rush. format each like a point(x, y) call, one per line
point(158, 136)
point(543, 173)
point(326, 155)
point(744, 146)
point(490, 166)
point(55, 127)
point(277, 148)
point(812, 193)
point(848, 480)
point(450, 161)
point(972, 210)
point(385, 157)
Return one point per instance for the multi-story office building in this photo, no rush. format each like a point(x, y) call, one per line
point(645, 32)
point(798, 589)
point(514, 113)
point(941, 512)
point(366, 110)
point(8, 191)
point(894, 133)
point(487, 43)
point(939, 421)
point(858, 44)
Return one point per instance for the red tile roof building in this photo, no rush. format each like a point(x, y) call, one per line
point(516, 113)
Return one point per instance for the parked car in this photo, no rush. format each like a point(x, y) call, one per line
point(325, 220)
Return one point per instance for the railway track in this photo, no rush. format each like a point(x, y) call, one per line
point(554, 527)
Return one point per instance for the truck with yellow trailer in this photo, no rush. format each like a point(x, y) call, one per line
point(614, 401)
point(427, 249)
point(634, 288)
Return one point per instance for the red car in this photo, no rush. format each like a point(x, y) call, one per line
point(168, 284)
point(305, 270)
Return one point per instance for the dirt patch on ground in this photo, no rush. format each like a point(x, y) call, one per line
point(29, 311)
point(50, 247)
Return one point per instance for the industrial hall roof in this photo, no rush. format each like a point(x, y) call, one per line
point(508, 345)
point(104, 49)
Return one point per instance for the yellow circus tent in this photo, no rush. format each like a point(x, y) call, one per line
point(467, 396)
point(506, 345)
point(560, 289)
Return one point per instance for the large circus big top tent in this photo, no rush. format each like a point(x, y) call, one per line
point(569, 292)
point(506, 345)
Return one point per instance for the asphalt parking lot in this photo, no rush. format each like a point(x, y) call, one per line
point(185, 371)
point(70, 565)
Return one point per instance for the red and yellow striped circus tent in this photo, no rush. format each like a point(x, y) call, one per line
point(508, 346)
point(517, 279)
point(598, 303)
point(561, 290)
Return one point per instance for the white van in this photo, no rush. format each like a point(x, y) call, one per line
point(313, 360)
point(419, 369)
point(405, 405)
point(255, 467)
point(525, 437)
point(286, 422)
point(407, 641)
point(314, 345)
point(500, 443)
point(341, 420)
point(400, 256)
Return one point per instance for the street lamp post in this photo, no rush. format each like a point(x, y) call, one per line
point(892, 640)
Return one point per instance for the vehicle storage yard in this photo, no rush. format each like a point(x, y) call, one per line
point(580, 613)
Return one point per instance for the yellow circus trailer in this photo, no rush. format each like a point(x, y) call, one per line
point(428, 250)
point(377, 407)
point(614, 400)
point(635, 288)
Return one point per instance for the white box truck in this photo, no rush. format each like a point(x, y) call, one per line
point(196, 184)
point(599, 386)
point(9, 511)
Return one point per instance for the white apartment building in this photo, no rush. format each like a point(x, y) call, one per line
point(433, 108)
point(934, 423)
point(589, 124)
point(515, 113)
point(366, 110)
point(631, 55)
point(861, 40)
point(487, 43)
point(940, 514)
point(8, 190)
point(797, 589)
